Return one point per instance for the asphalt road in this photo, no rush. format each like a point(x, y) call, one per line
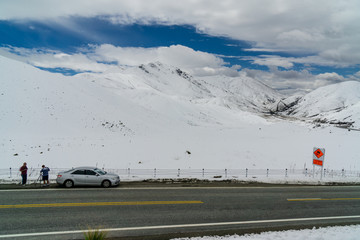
point(164, 212)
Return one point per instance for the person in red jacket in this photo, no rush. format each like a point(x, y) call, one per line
point(23, 171)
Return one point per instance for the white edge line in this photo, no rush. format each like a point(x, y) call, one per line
point(180, 226)
point(304, 199)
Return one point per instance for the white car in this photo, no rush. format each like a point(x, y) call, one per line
point(87, 176)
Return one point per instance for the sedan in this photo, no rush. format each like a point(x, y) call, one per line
point(90, 176)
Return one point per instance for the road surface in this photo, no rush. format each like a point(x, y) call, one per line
point(164, 212)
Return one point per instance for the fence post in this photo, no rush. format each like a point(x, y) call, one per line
point(246, 174)
point(343, 173)
point(10, 173)
point(225, 173)
point(324, 171)
point(203, 173)
point(267, 172)
point(128, 170)
point(305, 172)
point(313, 171)
point(154, 172)
point(286, 172)
point(178, 172)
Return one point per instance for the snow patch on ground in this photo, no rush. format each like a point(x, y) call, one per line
point(326, 233)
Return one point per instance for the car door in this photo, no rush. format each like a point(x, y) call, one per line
point(79, 177)
point(92, 178)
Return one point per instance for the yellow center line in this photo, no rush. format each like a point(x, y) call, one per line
point(97, 204)
point(321, 199)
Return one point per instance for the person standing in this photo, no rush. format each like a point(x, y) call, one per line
point(23, 170)
point(45, 174)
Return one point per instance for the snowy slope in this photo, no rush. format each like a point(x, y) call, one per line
point(37, 102)
point(156, 77)
point(160, 79)
point(337, 103)
point(152, 116)
point(242, 92)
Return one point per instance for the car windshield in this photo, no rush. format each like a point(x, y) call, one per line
point(101, 172)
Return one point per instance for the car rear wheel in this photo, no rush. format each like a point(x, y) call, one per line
point(106, 184)
point(68, 183)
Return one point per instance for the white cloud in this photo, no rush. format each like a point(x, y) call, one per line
point(101, 58)
point(271, 60)
point(326, 28)
point(357, 74)
point(354, 77)
point(54, 59)
point(330, 58)
point(195, 62)
point(209, 71)
point(263, 50)
point(297, 35)
point(334, 77)
point(290, 81)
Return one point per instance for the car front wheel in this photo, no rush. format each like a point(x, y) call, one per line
point(106, 184)
point(68, 183)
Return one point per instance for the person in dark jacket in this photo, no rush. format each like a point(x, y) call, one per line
point(23, 171)
point(45, 174)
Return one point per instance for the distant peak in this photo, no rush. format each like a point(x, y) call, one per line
point(159, 66)
point(153, 65)
point(183, 74)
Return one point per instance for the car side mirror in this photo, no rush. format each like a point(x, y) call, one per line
point(97, 174)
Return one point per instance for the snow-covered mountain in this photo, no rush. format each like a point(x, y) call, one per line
point(160, 79)
point(337, 104)
point(153, 116)
point(241, 92)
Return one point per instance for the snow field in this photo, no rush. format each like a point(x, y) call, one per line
point(327, 233)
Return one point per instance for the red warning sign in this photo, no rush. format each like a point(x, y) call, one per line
point(318, 156)
point(317, 162)
point(318, 153)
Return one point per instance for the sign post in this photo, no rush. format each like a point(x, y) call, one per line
point(318, 159)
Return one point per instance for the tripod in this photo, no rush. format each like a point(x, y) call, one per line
point(38, 180)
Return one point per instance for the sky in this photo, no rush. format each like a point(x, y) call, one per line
point(289, 45)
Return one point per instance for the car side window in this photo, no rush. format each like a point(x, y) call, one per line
point(90, 172)
point(79, 172)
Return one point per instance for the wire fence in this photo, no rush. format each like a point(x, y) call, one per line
point(265, 175)
point(232, 173)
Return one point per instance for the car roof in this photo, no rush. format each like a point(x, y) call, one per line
point(86, 168)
